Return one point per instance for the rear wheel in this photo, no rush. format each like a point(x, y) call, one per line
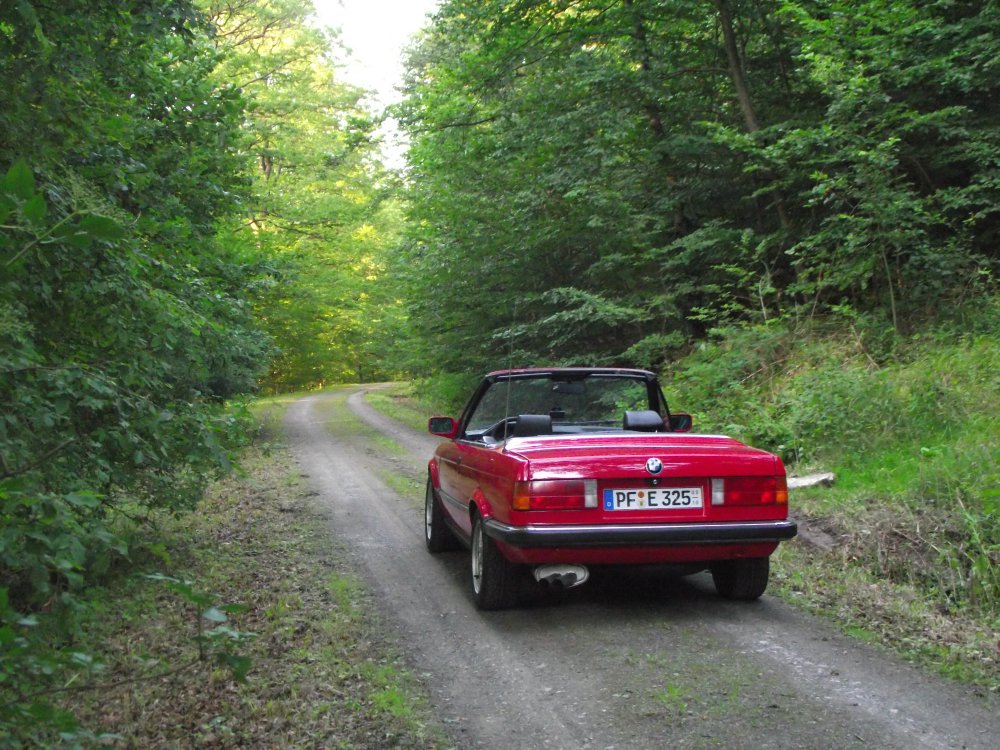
point(437, 535)
point(494, 577)
point(741, 579)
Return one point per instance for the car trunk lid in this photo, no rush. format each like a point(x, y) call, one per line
point(626, 456)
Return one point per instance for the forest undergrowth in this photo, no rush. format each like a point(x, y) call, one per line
point(242, 626)
point(907, 544)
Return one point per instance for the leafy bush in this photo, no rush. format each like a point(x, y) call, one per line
point(908, 425)
point(123, 328)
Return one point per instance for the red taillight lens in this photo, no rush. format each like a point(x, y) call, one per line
point(754, 490)
point(555, 494)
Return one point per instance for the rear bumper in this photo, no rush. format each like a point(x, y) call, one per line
point(663, 534)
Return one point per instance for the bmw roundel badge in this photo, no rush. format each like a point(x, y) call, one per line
point(654, 466)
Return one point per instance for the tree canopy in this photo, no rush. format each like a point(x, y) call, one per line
point(320, 211)
point(606, 180)
point(187, 194)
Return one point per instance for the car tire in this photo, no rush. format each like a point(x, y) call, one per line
point(494, 577)
point(437, 535)
point(744, 579)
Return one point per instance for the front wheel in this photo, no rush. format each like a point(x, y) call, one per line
point(741, 579)
point(494, 577)
point(437, 535)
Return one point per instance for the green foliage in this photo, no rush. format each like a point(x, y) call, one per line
point(124, 327)
point(606, 182)
point(219, 643)
point(907, 424)
point(319, 214)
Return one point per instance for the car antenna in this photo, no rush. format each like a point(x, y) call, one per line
point(510, 365)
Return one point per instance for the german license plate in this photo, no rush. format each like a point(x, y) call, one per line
point(653, 498)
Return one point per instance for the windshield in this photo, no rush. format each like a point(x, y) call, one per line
point(587, 404)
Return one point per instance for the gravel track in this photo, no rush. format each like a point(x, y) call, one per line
point(633, 660)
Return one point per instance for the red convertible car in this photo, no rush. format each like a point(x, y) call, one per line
point(551, 471)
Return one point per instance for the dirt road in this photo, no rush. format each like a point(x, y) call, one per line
point(634, 661)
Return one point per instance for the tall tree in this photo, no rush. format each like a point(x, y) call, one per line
point(317, 219)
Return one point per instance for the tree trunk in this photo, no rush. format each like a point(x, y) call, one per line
point(737, 70)
point(645, 64)
point(652, 110)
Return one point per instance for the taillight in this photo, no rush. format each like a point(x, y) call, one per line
point(555, 494)
point(750, 491)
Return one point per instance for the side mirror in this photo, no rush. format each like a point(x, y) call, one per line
point(445, 427)
point(680, 422)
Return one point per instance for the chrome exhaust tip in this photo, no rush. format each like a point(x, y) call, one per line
point(561, 576)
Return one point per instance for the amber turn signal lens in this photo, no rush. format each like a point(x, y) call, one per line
point(522, 496)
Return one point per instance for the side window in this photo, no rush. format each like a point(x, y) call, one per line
point(490, 409)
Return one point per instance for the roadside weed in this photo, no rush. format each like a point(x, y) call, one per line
point(673, 697)
point(321, 670)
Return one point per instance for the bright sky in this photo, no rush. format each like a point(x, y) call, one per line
point(376, 31)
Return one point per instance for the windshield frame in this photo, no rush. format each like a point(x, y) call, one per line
point(655, 400)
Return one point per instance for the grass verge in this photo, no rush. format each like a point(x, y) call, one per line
point(861, 569)
point(402, 401)
point(910, 535)
point(320, 669)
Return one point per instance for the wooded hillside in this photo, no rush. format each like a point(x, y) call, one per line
point(187, 211)
point(606, 181)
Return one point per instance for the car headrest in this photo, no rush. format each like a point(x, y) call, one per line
point(643, 421)
point(532, 424)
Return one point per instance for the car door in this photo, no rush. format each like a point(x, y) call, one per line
point(450, 457)
point(470, 460)
point(468, 469)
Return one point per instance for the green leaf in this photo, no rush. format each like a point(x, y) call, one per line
point(82, 658)
point(72, 234)
point(214, 614)
point(101, 228)
point(83, 499)
point(19, 180)
point(239, 665)
point(184, 588)
point(77, 555)
point(161, 577)
point(35, 209)
point(6, 206)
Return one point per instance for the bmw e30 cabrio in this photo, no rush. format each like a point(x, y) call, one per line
point(554, 471)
